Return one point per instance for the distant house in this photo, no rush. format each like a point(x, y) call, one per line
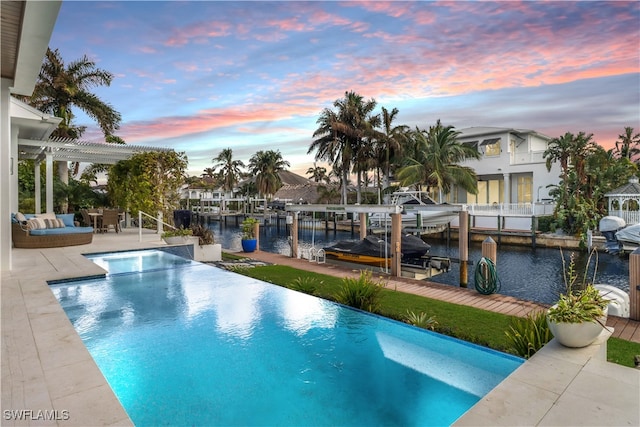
point(295, 189)
point(511, 169)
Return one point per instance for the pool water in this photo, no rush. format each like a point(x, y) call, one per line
point(191, 344)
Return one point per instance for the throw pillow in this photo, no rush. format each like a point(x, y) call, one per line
point(54, 223)
point(67, 218)
point(20, 217)
point(36, 224)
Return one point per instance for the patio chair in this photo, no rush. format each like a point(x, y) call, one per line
point(110, 217)
point(86, 219)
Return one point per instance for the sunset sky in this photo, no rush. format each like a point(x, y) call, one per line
point(203, 76)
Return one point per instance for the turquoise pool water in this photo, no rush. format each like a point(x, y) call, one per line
point(183, 343)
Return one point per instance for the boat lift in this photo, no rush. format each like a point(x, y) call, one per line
point(395, 211)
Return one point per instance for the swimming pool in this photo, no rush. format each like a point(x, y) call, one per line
point(184, 343)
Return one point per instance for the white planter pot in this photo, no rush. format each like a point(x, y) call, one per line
point(176, 240)
point(207, 253)
point(577, 335)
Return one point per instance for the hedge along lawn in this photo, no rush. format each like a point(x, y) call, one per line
point(468, 323)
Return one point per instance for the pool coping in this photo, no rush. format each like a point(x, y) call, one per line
point(46, 367)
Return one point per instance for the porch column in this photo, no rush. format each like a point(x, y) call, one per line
point(49, 182)
point(5, 177)
point(38, 188)
point(13, 170)
point(507, 187)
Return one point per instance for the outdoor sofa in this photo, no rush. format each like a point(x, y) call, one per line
point(48, 231)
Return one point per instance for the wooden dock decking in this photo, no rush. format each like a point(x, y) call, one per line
point(623, 328)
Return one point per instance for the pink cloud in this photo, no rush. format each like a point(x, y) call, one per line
point(198, 31)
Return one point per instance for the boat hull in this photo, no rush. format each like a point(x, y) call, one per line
point(375, 251)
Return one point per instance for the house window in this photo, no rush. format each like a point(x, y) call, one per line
point(525, 189)
point(490, 147)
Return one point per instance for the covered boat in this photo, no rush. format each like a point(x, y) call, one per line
point(373, 250)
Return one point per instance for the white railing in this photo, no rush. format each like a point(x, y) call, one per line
point(527, 157)
point(159, 224)
point(630, 217)
point(511, 209)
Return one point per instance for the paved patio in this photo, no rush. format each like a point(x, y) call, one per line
point(45, 366)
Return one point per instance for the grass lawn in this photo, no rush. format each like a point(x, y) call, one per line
point(470, 324)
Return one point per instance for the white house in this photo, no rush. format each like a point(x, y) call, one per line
point(511, 169)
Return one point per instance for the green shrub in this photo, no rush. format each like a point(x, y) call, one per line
point(528, 335)
point(306, 284)
point(420, 320)
point(362, 293)
point(545, 224)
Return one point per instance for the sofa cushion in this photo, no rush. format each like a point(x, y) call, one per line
point(65, 230)
point(49, 215)
point(36, 224)
point(54, 223)
point(67, 218)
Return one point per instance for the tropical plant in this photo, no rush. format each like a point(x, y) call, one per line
point(265, 166)
point(391, 143)
point(248, 228)
point(342, 133)
point(177, 232)
point(581, 301)
point(529, 334)
point(306, 284)
point(362, 293)
point(229, 172)
point(421, 320)
point(435, 161)
point(204, 234)
point(60, 88)
point(148, 182)
point(318, 173)
point(628, 144)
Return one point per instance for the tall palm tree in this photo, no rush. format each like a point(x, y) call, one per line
point(341, 133)
point(265, 166)
point(436, 161)
point(628, 144)
point(229, 172)
point(61, 88)
point(391, 142)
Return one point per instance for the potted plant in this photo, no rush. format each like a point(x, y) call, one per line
point(249, 241)
point(205, 248)
point(580, 314)
point(177, 236)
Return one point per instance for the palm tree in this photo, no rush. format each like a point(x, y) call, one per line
point(61, 88)
point(318, 173)
point(628, 144)
point(391, 142)
point(436, 161)
point(229, 171)
point(265, 166)
point(341, 134)
point(208, 172)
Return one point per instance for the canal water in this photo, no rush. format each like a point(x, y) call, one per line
point(524, 272)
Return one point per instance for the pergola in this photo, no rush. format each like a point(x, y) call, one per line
point(32, 142)
point(624, 201)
